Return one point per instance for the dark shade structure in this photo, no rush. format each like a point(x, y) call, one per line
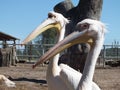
point(7, 53)
point(7, 37)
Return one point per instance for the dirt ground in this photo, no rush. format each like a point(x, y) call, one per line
point(28, 79)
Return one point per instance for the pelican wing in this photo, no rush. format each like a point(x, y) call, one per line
point(72, 78)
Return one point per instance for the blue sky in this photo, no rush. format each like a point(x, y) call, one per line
point(20, 17)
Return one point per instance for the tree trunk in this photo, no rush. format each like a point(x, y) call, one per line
point(85, 9)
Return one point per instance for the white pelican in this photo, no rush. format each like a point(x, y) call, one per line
point(6, 81)
point(92, 32)
point(58, 21)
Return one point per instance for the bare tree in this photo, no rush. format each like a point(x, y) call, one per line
point(76, 55)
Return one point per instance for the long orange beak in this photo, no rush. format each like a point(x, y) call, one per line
point(46, 25)
point(72, 39)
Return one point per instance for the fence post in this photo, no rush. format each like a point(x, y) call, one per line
point(30, 53)
point(104, 54)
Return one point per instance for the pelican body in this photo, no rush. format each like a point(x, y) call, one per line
point(89, 31)
point(58, 21)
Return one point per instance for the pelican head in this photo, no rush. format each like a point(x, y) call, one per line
point(54, 20)
point(88, 31)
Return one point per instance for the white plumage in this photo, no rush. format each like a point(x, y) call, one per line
point(6, 81)
point(63, 77)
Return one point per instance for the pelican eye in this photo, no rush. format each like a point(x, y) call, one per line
point(50, 15)
point(84, 26)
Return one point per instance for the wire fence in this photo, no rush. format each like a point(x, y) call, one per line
point(110, 54)
point(32, 52)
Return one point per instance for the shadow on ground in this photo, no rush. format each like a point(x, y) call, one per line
point(29, 80)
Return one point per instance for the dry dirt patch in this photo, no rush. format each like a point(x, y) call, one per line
point(28, 79)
